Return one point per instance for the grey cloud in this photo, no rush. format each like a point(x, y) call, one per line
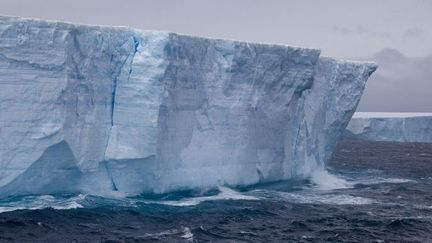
point(401, 84)
point(414, 33)
point(360, 30)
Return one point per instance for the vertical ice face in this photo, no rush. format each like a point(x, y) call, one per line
point(137, 111)
point(227, 110)
point(330, 104)
point(58, 83)
point(391, 127)
point(30, 78)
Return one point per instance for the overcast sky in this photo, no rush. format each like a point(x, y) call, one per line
point(341, 28)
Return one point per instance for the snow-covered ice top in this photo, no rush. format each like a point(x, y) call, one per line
point(390, 114)
point(117, 110)
point(391, 127)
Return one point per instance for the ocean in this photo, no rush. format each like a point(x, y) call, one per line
point(373, 192)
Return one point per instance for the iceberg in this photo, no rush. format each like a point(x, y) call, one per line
point(115, 110)
point(391, 127)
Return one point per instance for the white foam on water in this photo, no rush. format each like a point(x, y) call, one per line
point(313, 196)
point(424, 207)
point(326, 188)
point(343, 199)
point(187, 234)
point(326, 181)
point(41, 202)
point(224, 194)
point(394, 180)
point(380, 180)
point(183, 232)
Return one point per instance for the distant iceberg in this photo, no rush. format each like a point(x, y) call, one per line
point(115, 110)
point(391, 127)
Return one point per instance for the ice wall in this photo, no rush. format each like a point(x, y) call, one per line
point(391, 127)
point(138, 111)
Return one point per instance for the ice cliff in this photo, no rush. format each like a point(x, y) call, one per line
point(391, 127)
point(102, 109)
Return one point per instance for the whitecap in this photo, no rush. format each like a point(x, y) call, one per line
point(225, 193)
point(380, 180)
point(183, 232)
point(314, 197)
point(327, 181)
point(41, 202)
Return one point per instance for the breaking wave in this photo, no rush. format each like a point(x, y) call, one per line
point(322, 188)
point(41, 202)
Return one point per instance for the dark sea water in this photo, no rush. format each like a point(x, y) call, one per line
point(375, 192)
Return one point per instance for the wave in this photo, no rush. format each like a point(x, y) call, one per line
point(225, 193)
point(314, 197)
point(41, 202)
point(184, 233)
point(323, 187)
point(324, 180)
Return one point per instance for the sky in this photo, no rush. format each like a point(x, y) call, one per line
point(348, 29)
point(341, 28)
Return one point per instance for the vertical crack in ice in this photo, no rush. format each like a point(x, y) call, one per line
point(113, 184)
point(113, 100)
point(118, 73)
point(127, 61)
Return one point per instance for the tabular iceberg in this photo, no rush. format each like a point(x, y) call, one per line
point(102, 109)
point(391, 127)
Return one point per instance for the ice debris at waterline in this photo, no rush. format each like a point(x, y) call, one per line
point(391, 127)
point(115, 110)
